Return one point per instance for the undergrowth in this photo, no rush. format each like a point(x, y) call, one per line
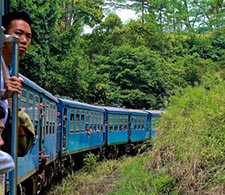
point(187, 158)
point(190, 147)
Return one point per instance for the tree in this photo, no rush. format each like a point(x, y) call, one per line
point(86, 12)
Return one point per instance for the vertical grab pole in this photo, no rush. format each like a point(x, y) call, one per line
point(13, 175)
point(14, 142)
point(2, 176)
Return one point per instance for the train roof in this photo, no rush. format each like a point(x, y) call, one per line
point(123, 110)
point(36, 87)
point(77, 104)
point(155, 112)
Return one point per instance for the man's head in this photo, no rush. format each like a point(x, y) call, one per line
point(18, 23)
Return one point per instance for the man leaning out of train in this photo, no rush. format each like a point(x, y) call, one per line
point(16, 23)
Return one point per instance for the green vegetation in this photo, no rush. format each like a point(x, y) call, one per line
point(138, 64)
point(191, 146)
point(187, 155)
point(172, 57)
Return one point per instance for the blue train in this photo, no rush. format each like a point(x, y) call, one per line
point(67, 130)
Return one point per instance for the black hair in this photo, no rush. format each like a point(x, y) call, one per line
point(21, 14)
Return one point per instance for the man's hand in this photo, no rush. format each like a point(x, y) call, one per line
point(12, 85)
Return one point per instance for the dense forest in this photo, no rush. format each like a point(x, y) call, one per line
point(172, 56)
point(137, 64)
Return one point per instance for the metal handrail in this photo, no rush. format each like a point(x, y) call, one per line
point(14, 141)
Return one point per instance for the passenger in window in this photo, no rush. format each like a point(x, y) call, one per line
point(58, 119)
point(86, 128)
point(65, 117)
point(104, 125)
point(98, 129)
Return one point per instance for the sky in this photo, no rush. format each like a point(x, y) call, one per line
point(124, 14)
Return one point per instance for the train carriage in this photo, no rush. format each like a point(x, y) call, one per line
point(42, 109)
point(81, 126)
point(153, 121)
point(118, 125)
point(125, 125)
point(139, 129)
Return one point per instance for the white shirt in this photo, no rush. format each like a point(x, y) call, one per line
point(4, 103)
point(6, 162)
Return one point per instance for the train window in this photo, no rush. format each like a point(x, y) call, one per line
point(88, 121)
point(72, 121)
point(64, 126)
point(77, 121)
point(54, 119)
point(118, 123)
point(111, 119)
point(88, 117)
point(135, 123)
point(47, 118)
point(100, 122)
point(30, 105)
point(142, 123)
point(116, 119)
point(42, 114)
point(121, 122)
point(23, 98)
point(92, 120)
point(36, 113)
point(125, 123)
point(82, 121)
point(51, 114)
point(96, 122)
point(155, 121)
point(37, 103)
point(50, 128)
point(139, 123)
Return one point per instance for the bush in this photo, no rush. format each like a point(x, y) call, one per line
point(90, 162)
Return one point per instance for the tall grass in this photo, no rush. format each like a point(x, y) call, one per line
point(191, 146)
point(188, 155)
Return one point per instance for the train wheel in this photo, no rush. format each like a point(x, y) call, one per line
point(21, 190)
point(39, 184)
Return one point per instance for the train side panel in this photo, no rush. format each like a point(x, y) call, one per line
point(153, 122)
point(139, 120)
point(42, 108)
point(118, 125)
point(82, 126)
